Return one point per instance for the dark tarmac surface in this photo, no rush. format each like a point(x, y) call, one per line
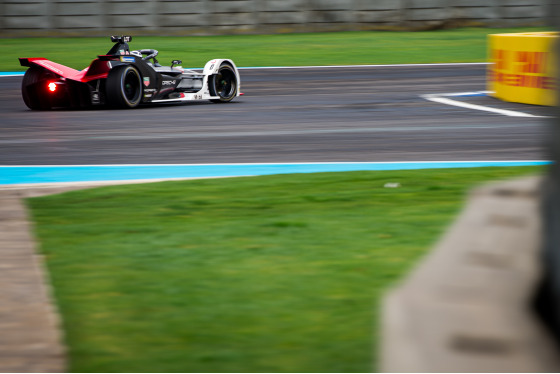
point(286, 115)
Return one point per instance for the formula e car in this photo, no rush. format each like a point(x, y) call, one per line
point(125, 79)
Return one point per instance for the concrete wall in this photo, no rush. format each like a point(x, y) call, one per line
point(184, 17)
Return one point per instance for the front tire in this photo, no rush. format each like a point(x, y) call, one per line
point(224, 84)
point(123, 88)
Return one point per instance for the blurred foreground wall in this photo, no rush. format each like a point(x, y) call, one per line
point(468, 306)
point(203, 17)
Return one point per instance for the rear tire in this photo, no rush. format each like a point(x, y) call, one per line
point(123, 88)
point(224, 84)
point(31, 88)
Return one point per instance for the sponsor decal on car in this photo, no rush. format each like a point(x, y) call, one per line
point(146, 81)
point(168, 83)
point(127, 59)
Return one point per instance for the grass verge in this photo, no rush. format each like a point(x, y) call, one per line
point(343, 48)
point(278, 273)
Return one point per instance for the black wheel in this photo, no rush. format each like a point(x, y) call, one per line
point(224, 84)
point(123, 88)
point(33, 93)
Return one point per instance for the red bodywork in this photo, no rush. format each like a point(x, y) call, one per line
point(98, 69)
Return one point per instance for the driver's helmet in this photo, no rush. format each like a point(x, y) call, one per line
point(136, 53)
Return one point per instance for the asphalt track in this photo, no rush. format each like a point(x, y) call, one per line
point(342, 114)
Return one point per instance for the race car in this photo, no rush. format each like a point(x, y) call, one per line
point(125, 79)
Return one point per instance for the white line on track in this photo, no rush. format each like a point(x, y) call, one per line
point(444, 99)
point(368, 66)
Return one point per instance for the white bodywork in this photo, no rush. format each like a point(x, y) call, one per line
point(210, 68)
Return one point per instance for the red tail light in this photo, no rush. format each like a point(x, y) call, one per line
point(52, 87)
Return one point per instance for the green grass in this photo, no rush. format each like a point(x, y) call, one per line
point(266, 274)
point(375, 47)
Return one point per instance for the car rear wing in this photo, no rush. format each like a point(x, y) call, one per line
point(58, 69)
point(96, 70)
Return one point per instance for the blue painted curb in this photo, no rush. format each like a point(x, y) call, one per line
point(10, 175)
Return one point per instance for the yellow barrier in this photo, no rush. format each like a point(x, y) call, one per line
point(522, 67)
